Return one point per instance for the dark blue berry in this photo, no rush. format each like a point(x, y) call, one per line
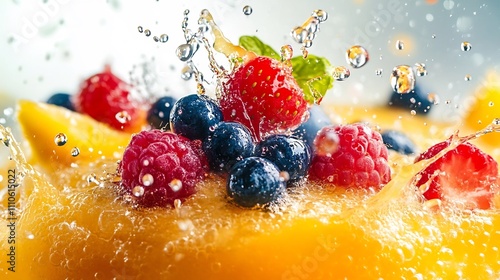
point(229, 143)
point(290, 154)
point(159, 113)
point(398, 142)
point(194, 115)
point(255, 181)
point(62, 100)
point(308, 130)
point(415, 100)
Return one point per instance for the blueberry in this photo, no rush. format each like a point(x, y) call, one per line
point(229, 143)
point(194, 115)
point(159, 113)
point(290, 154)
point(255, 181)
point(308, 130)
point(398, 142)
point(62, 100)
point(416, 100)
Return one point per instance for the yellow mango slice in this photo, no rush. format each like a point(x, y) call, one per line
point(40, 123)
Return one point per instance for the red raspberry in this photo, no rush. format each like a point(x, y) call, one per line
point(350, 156)
point(105, 98)
point(464, 175)
point(159, 167)
point(263, 95)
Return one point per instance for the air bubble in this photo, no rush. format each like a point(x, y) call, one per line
point(247, 10)
point(357, 56)
point(147, 180)
point(341, 73)
point(284, 176)
point(466, 46)
point(60, 139)
point(402, 79)
point(175, 185)
point(328, 145)
point(75, 152)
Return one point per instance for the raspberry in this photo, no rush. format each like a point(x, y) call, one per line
point(464, 175)
point(350, 156)
point(263, 95)
point(105, 98)
point(160, 167)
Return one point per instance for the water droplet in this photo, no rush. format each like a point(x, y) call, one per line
point(402, 79)
point(175, 185)
point(400, 45)
point(420, 69)
point(140, 29)
point(466, 46)
point(320, 15)
point(299, 34)
point(379, 72)
point(284, 176)
point(434, 98)
point(491, 104)
point(341, 73)
point(147, 180)
point(75, 152)
point(123, 117)
point(247, 10)
point(186, 51)
point(92, 178)
point(60, 139)
point(156, 39)
point(433, 36)
point(413, 112)
point(328, 145)
point(186, 73)
point(286, 53)
point(8, 111)
point(138, 191)
point(147, 32)
point(163, 38)
point(468, 77)
point(357, 56)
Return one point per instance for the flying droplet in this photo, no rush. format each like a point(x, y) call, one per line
point(468, 77)
point(341, 73)
point(140, 29)
point(402, 79)
point(466, 46)
point(60, 139)
point(138, 191)
point(286, 53)
point(434, 98)
point(163, 38)
point(379, 72)
point(357, 56)
point(186, 73)
point(147, 180)
point(400, 45)
point(247, 10)
point(320, 15)
point(147, 32)
point(175, 185)
point(420, 69)
point(75, 152)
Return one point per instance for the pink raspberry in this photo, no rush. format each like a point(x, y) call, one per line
point(350, 156)
point(159, 167)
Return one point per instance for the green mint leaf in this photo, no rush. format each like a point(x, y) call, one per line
point(314, 76)
point(254, 44)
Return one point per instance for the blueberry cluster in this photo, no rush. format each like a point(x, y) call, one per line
point(258, 172)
